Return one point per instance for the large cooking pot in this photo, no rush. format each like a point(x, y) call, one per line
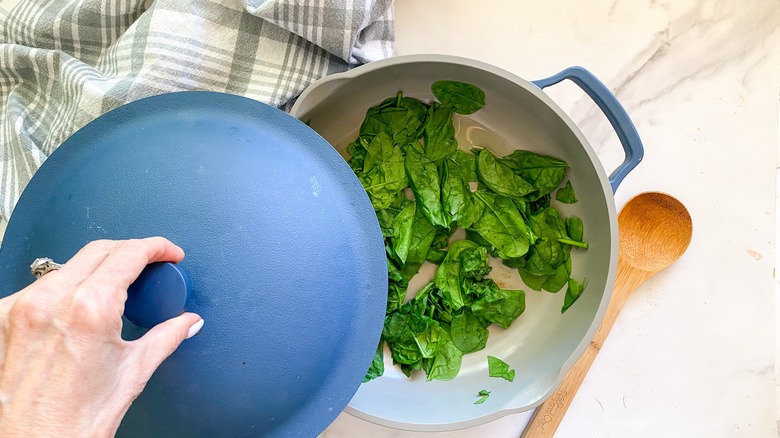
point(542, 344)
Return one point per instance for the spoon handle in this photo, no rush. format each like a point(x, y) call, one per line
point(548, 416)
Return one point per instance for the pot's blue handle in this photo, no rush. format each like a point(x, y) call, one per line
point(617, 116)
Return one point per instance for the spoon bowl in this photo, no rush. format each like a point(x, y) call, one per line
point(655, 230)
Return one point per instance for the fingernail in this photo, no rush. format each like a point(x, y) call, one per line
point(195, 329)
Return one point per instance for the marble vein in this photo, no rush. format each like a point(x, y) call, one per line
point(690, 48)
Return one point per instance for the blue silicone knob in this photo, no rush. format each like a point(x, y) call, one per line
point(160, 293)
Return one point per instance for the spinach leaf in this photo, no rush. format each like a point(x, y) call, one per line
point(383, 172)
point(523, 207)
point(548, 223)
point(377, 367)
point(499, 368)
point(357, 154)
point(401, 339)
point(378, 151)
point(499, 177)
point(440, 134)
point(420, 110)
point(474, 263)
point(574, 228)
point(402, 232)
point(436, 256)
point(544, 257)
point(484, 396)
point(402, 125)
point(446, 364)
point(503, 226)
point(543, 172)
point(534, 282)
point(396, 287)
point(387, 215)
point(468, 333)
point(573, 293)
point(397, 322)
point(424, 180)
point(395, 325)
point(401, 330)
point(465, 98)
point(538, 205)
point(467, 163)
point(501, 306)
point(405, 351)
point(548, 264)
point(514, 263)
point(395, 275)
point(396, 293)
point(449, 276)
point(475, 237)
point(474, 289)
point(423, 295)
point(423, 234)
point(441, 240)
point(441, 305)
point(430, 340)
point(458, 202)
point(390, 102)
point(557, 280)
point(566, 194)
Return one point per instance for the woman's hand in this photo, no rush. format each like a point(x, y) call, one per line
point(66, 371)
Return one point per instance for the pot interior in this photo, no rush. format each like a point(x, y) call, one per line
point(542, 343)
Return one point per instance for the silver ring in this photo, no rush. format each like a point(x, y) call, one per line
point(43, 266)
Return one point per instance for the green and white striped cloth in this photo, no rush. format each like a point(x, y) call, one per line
point(65, 62)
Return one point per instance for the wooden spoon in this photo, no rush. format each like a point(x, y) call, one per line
point(655, 230)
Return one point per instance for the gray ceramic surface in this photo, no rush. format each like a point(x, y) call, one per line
point(541, 344)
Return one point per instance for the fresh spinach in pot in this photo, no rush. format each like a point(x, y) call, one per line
point(484, 394)
point(500, 178)
point(440, 133)
point(424, 180)
point(465, 98)
point(458, 202)
point(407, 158)
point(566, 194)
point(543, 172)
point(499, 368)
point(468, 331)
point(393, 118)
point(383, 174)
point(573, 293)
point(502, 225)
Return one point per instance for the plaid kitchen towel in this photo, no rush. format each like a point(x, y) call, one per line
point(65, 62)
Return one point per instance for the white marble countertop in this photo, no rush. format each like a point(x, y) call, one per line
point(692, 353)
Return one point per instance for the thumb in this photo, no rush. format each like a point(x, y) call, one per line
point(164, 338)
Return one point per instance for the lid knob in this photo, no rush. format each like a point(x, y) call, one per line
point(160, 293)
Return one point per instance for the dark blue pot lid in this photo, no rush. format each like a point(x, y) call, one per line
point(284, 256)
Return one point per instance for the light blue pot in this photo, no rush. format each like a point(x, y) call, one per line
point(542, 345)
